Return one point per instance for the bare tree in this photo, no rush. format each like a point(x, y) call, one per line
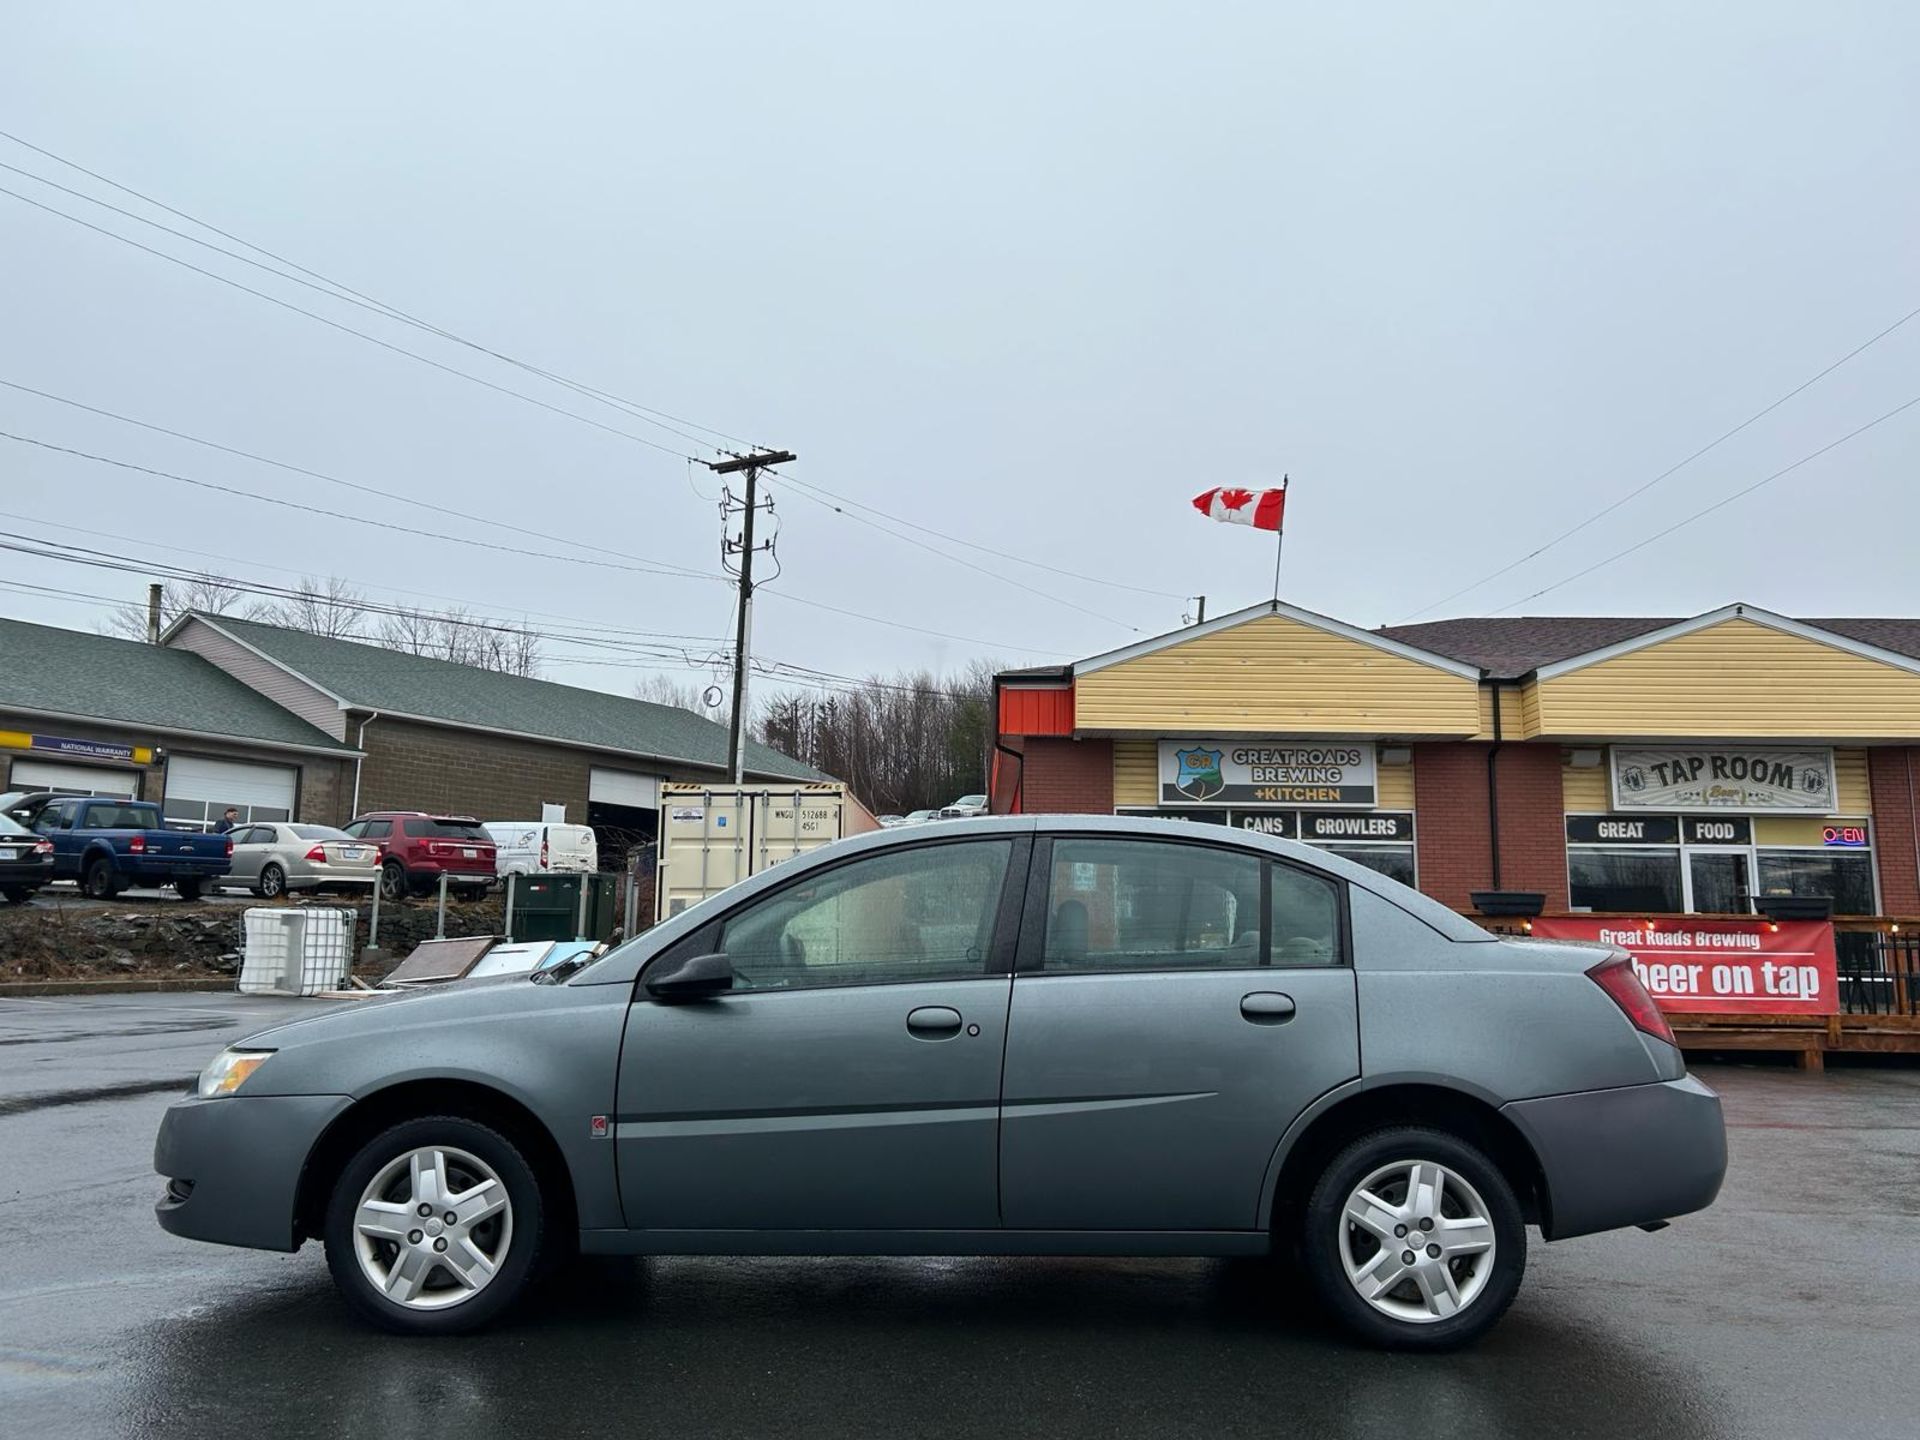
point(456, 636)
point(329, 607)
point(212, 594)
point(680, 694)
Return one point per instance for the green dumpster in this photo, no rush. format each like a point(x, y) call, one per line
point(548, 907)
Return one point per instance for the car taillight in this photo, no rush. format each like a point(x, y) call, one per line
point(43, 847)
point(1616, 976)
point(543, 854)
point(138, 845)
point(319, 852)
point(229, 847)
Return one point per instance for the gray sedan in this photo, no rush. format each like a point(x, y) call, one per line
point(1062, 1035)
point(273, 859)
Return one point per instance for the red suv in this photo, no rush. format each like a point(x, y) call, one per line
point(416, 849)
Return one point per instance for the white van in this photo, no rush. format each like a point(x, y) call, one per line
point(532, 847)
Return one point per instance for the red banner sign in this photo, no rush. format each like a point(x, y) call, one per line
point(1729, 967)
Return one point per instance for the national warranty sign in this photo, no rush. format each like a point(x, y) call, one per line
point(1267, 772)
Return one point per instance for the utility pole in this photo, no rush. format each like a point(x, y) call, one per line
point(743, 633)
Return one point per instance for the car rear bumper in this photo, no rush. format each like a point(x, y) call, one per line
point(26, 872)
point(458, 872)
point(1629, 1156)
point(233, 1165)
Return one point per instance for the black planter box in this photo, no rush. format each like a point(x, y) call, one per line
point(1794, 907)
point(1509, 902)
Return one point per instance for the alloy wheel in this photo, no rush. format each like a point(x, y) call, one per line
point(1416, 1241)
point(271, 881)
point(432, 1228)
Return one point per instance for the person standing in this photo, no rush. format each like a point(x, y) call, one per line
point(227, 821)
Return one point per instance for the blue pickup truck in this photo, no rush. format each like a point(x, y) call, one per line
point(108, 845)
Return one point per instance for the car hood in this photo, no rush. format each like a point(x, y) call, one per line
point(456, 1002)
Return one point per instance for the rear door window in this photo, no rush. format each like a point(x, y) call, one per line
point(428, 829)
point(1149, 905)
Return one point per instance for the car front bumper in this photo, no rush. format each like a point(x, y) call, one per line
point(1631, 1156)
point(233, 1165)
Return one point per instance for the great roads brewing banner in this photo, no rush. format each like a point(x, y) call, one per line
point(1267, 772)
point(1727, 967)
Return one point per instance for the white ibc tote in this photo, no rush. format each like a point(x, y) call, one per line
point(295, 950)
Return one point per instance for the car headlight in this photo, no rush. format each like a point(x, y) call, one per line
point(229, 1071)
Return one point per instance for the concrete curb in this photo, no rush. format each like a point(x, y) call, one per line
point(130, 985)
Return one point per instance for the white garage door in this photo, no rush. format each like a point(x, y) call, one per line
point(623, 787)
point(73, 779)
point(199, 790)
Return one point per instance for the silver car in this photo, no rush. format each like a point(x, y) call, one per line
point(1056, 1035)
point(272, 859)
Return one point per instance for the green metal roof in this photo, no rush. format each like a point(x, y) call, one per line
point(372, 677)
point(45, 670)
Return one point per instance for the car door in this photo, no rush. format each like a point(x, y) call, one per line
point(1176, 1005)
point(850, 1080)
point(250, 846)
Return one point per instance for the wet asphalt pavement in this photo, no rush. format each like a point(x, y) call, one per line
point(1791, 1308)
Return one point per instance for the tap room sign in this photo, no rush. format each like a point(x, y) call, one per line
point(1722, 777)
point(1267, 772)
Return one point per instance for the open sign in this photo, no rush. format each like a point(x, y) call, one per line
point(1843, 835)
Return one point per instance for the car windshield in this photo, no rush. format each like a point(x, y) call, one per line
point(10, 826)
point(318, 832)
point(971, 801)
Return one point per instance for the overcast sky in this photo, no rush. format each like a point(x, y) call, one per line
point(1028, 275)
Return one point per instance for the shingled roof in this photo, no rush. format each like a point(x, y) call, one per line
point(1510, 646)
point(45, 670)
point(374, 678)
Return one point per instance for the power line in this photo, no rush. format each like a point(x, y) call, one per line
point(974, 545)
point(345, 329)
point(334, 290)
point(643, 569)
point(292, 469)
point(676, 572)
point(1717, 505)
point(1607, 510)
point(995, 574)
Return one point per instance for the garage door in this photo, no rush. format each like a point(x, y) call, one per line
point(73, 779)
point(200, 790)
point(623, 787)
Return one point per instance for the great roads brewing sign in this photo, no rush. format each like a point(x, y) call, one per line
point(1266, 772)
point(1720, 777)
point(1729, 967)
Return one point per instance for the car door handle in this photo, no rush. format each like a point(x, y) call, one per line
point(1267, 1007)
point(933, 1022)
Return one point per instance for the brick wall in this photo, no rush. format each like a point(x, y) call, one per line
point(1067, 777)
point(1894, 776)
point(1451, 830)
point(462, 772)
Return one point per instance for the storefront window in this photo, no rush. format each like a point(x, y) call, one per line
point(1393, 861)
point(1618, 879)
point(1847, 877)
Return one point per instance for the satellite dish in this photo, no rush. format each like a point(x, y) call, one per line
point(712, 696)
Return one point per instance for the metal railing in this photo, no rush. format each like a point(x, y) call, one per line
point(1879, 964)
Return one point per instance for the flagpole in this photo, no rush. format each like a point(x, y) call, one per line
point(1279, 545)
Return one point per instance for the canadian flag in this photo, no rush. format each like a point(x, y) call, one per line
point(1258, 508)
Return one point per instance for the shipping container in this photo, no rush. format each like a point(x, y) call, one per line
point(713, 836)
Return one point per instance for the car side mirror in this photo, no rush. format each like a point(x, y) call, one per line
point(693, 978)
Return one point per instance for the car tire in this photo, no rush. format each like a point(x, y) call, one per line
point(373, 1210)
point(190, 889)
point(16, 894)
point(393, 881)
point(273, 882)
point(99, 882)
point(1350, 1245)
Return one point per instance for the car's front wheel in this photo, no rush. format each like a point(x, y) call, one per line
point(393, 881)
point(1414, 1239)
point(434, 1227)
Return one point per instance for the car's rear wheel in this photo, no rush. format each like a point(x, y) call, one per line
point(99, 882)
point(273, 881)
point(1414, 1239)
point(16, 894)
point(434, 1227)
point(393, 881)
point(190, 889)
